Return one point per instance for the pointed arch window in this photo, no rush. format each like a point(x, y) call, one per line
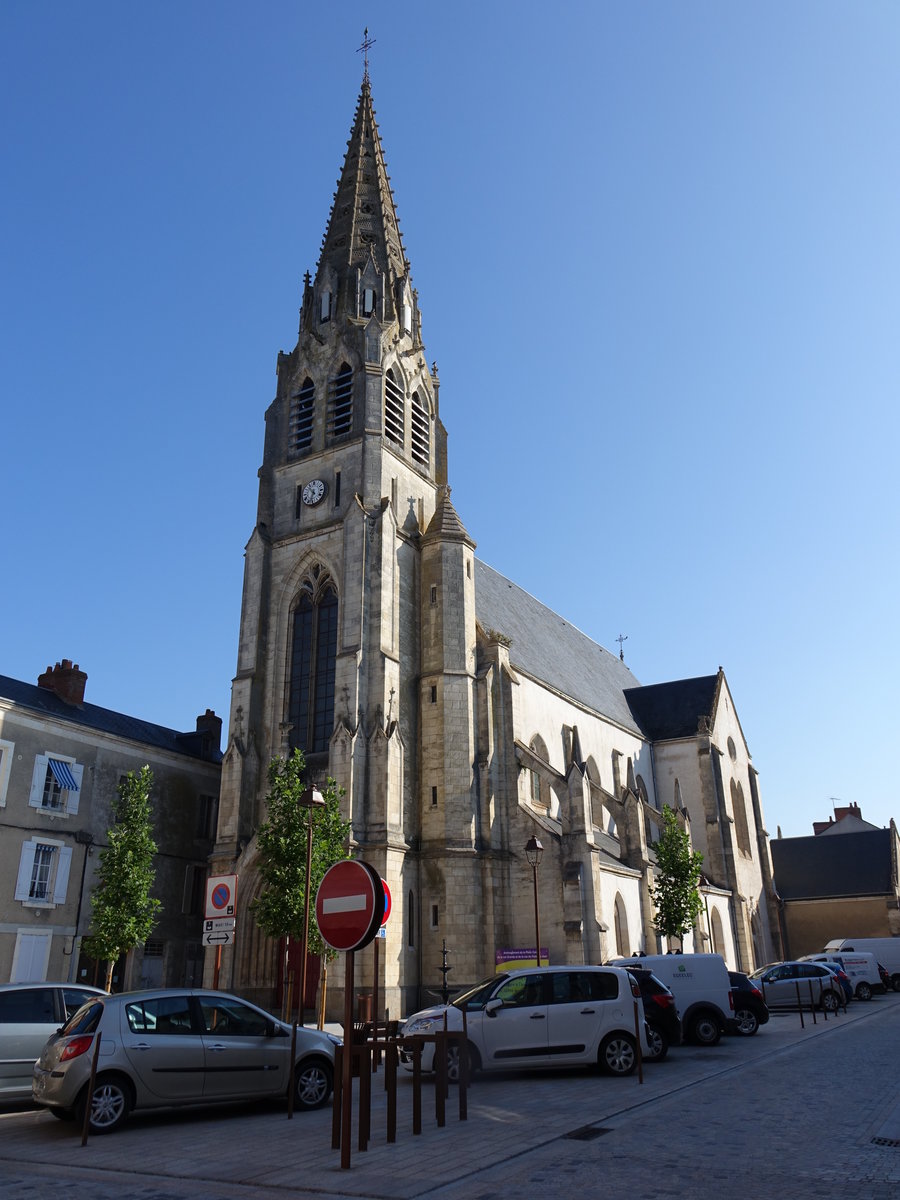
point(393, 409)
point(369, 300)
point(620, 920)
point(421, 432)
point(340, 402)
point(313, 657)
point(303, 404)
point(741, 827)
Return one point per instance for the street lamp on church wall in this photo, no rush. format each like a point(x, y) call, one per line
point(534, 852)
point(311, 799)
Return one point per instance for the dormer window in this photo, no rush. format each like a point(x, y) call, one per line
point(325, 307)
point(368, 301)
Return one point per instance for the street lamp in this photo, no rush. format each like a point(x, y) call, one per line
point(310, 799)
point(533, 852)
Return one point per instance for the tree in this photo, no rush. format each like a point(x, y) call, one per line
point(123, 911)
point(676, 894)
point(281, 841)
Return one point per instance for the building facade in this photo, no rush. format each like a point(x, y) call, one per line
point(461, 716)
point(843, 882)
point(61, 761)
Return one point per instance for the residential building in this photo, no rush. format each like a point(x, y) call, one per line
point(61, 761)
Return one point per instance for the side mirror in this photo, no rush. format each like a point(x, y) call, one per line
point(492, 1007)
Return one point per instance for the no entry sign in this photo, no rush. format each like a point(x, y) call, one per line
point(349, 905)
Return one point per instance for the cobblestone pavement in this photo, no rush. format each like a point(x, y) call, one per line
point(802, 1112)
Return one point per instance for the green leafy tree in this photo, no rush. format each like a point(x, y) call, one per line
point(676, 893)
point(282, 840)
point(123, 912)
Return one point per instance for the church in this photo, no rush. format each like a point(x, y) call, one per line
point(462, 717)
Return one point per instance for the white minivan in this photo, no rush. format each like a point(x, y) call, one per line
point(539, 1017)
point(861, 969)
point(702, 991)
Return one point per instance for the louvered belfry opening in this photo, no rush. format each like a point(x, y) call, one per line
point(421, 432)
point(393, 409)
point(301, 421)
point(340, 402)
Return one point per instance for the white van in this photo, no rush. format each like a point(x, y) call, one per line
point(702, 991)
point(861, 969)
point(886, 951)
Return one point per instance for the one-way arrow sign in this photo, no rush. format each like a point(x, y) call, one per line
point(222, 937)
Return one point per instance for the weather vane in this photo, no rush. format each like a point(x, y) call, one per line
point(622, 639)
point(367, 44)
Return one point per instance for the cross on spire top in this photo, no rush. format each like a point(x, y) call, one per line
point(367, 44)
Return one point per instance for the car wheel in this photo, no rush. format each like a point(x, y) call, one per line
point(705, 1030)
point(312, 1084)
point(831, 1002)
point(895, 982)
point(453, 1063)
point(659, 1045)
point(111, 1103)
point(863, 991)
point(747, 1022)
point(618, 1055)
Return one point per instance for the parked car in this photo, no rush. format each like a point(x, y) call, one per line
point(789, 985)
point(167, 1048)
point(841, 976)
point(750, 1008)
point(699, 983)
point(539, 1017)
point(29, 1014)
point(660, 1012)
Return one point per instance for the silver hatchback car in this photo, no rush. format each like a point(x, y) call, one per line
point(166, 1048)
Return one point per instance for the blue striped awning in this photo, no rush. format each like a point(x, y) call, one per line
point(62, 773)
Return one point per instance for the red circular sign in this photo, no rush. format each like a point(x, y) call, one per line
point(387, 902)
point(349, 905)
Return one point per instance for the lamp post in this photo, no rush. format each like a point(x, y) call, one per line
point(312, 798)
point(533, 852)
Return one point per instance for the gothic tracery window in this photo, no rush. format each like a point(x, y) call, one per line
point(312, 664)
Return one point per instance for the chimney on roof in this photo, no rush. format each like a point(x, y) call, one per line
point(66, 681)
point(211, 727)
point(821, 826)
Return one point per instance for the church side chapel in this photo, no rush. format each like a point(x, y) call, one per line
point(462, 717)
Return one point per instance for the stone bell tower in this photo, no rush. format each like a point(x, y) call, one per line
point(329, 656)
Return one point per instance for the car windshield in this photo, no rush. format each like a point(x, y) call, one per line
point(477, 997)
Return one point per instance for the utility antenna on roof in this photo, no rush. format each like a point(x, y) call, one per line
point(622, 639)
point(367, 44)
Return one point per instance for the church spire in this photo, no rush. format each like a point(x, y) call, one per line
point(362, 224)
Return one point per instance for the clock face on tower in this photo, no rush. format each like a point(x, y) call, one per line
point(314, 492)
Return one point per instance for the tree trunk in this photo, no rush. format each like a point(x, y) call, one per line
point(321, 1021)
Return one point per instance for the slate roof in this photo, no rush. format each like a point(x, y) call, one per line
point(105, 720)
point(811, 868)
point(673, 710)
point(548, 648)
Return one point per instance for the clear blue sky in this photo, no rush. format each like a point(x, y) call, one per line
point(657, 253)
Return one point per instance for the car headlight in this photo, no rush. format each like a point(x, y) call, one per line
point(423, 1025)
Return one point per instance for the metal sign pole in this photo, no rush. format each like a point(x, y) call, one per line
point(347, 1063)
